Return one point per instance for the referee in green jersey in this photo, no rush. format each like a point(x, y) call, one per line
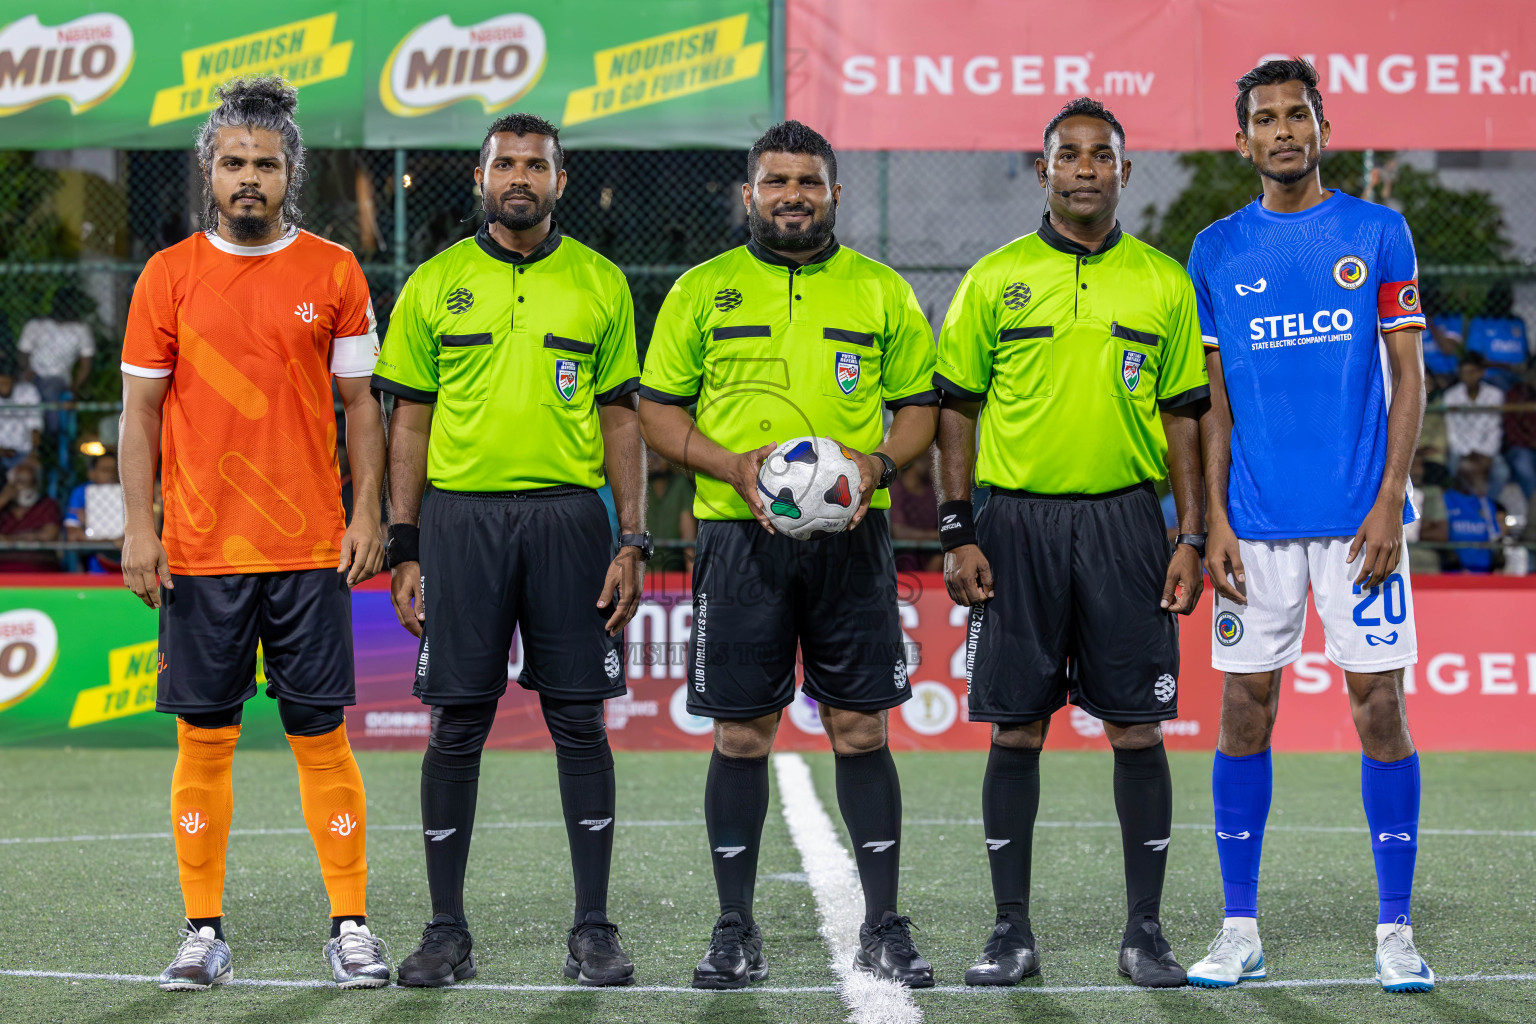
point(1079, 349)
point(511, 356)
point(790, 335)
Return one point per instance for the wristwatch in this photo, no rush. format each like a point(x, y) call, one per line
point(890, 470)
point(1194, 540)
point(639, 540)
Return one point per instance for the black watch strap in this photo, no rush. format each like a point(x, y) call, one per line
point(639, 540)
point(1194, 540)
point(890, 470)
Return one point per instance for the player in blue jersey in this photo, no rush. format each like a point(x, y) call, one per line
point(1310, 310)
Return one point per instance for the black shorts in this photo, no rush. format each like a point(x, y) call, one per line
point(756, 594)
point(1076, 612)
point(210, 625)
point(534, 560)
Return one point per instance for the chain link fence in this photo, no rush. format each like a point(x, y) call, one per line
point(76, 227)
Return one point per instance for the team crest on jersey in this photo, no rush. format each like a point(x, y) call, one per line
point(727, 299)
point(459, 301)
point(1408, 298)
point(1016, 295)
point(1229, 629)
point(847, 369)
point(1349, 272)
point(1130, 368)
point(565, 378)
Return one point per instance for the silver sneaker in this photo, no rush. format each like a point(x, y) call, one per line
point(1233, 957)
point(202, 962)
point(1399, 967)
point(358, 958)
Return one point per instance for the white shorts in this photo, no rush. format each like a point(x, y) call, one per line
point(1371, 631)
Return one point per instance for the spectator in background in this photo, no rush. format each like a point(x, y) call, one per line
point(1470, 514)
point(95, 513)
point(20, 430)
point(1429, 522)
point(60, 350)
point(669, 514)
point(1520, 433)
point(27, 514)
point(915, 515)
point(1473, 423)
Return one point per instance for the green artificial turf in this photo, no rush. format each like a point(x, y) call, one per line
point(111, 906)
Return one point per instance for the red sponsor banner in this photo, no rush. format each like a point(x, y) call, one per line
point(1474, 687)
point(988, 74)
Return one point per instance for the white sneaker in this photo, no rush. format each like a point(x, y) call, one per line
point(1399, 967)
point(1234, 956)
point(358, 958)
point(202, 962)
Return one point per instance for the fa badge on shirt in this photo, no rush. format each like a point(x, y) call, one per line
point(565, 377)
point(847, 371)
point(1130, 368)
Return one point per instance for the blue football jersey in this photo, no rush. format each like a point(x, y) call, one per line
point(1297, 304)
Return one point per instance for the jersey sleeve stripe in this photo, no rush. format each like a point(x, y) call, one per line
point(153, 373)
point(1398, 323)
point(929, 397)
point(410, 394)
point(618, 392)
point(946, 386)
point(650, 394)
point(1201, 393)
point(1211, 341)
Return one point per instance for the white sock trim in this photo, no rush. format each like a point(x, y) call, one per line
point(1248, 926)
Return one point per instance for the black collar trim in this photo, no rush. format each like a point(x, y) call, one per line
point(773, 259)
point(496, 250)
point(1061, 243)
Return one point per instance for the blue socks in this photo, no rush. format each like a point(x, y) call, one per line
point(1241, 788)
point(1390, 790)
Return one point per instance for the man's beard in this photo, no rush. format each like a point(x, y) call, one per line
point(1291, 177)
point(808, 237)
point(246, 227)
point(496, 209)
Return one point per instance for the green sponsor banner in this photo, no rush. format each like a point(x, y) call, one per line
point(78, 667)
point(389, 73)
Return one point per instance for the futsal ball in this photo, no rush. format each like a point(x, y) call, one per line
point(809, 487)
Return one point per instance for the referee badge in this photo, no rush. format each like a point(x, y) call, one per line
point(565, 378)
point(1130, 368)
point(847, 370)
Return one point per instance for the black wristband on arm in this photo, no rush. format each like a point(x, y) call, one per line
point(404, 544)
point(957, 525)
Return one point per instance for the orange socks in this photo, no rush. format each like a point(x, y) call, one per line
point(202, 798)
point(336, 812)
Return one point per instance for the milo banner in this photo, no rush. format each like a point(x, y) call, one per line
point(141, 74)
point(78, 666)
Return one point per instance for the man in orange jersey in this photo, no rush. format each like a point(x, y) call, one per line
point(234, 337)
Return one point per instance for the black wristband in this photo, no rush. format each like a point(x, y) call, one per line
point(404, 545)
point(957, 525)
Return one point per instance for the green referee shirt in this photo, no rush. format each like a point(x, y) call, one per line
point(517, 352)
point(772, 350)
point(1074, 352)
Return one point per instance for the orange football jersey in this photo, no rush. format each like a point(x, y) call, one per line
point(250, 337)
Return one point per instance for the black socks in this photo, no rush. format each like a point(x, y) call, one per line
point(869, 795)
point(199, 923)
point(337, 922)
point(1144, 802)
point(588, 803)
point(1010, 800)
point(450, 783)
point(735, 806)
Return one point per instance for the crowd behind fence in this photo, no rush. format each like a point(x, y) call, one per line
point(77, 225)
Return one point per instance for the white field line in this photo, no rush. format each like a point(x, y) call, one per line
point(839, 898)
point(983, 991)
point(699, 823)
